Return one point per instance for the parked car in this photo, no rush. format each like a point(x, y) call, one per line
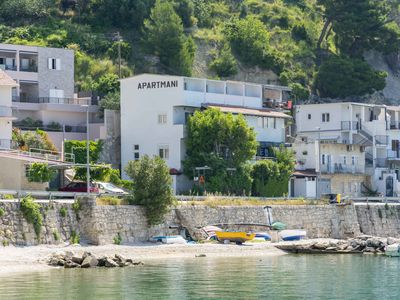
point(109, 188)
point(79, 187)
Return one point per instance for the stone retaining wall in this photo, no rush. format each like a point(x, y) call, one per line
point(101, 224)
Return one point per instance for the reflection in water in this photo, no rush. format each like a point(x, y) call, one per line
point(282, 277)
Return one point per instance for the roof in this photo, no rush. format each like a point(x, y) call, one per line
point(248, 111)
point(6, 80)
point(305, 173)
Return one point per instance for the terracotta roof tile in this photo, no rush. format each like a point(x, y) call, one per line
point(6, 80)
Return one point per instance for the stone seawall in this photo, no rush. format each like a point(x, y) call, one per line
point(102, 224)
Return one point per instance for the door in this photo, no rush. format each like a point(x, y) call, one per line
point(389, 186)
point(324, 186)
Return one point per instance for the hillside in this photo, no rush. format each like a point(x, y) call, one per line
point(315, 46)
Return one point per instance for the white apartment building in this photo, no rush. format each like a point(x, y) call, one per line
point(6, 86)
point(45, 90)
point(155, 108)
point(344, 146)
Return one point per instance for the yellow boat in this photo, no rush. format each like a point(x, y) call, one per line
point(236, 237)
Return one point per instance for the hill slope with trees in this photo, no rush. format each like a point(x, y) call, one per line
point(314, 46)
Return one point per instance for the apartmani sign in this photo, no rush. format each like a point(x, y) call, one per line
point(157, 84)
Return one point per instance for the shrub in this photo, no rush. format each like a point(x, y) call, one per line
point(224, 63)
point(40, 172)
point(75, 237)
point(1, 212)
point(56, 235)
point(31, 213)
point(108, 200)
point(152, 187)
point(117, 239)
point(5, 243)
point(76, 207)
point(63, 212)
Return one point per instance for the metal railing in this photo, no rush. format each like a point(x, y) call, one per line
point(393, 154)
point(349, 125)
point(381, 163)
point(381, 139)
point(394, 125)
point(33, 69)
point(338, 168)
point(68, 128)
point(52, 100)
point(39, 154)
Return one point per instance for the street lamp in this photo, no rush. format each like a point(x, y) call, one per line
point(87, 150)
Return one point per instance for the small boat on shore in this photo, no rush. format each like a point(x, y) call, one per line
point(172, 239)
point(292, 235)
point(393, 250)
point(236, 237)
point(263, 235)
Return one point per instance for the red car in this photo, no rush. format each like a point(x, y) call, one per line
point(78, 187)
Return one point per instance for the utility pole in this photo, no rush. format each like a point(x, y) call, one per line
point(119, 39)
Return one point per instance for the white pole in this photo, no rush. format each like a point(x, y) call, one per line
point(87, 152)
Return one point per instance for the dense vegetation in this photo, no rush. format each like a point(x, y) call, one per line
point(297, 39)
point(152, 187)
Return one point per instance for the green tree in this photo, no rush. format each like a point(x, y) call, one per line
point(14, 10)
point(110, 101)
point(250, 40)
point(224, 63)
point(340, 77)
point(40, 172)
point(185, 10)
point(165, 38)
point(126, 50)
point(224, 143)
point(360, 25)
point(108, 83)
point(271, 177)
point(152, 187)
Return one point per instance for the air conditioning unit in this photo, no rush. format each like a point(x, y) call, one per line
point(350, 148)
point(362, 149)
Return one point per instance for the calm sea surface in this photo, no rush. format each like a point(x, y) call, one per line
point(283, 277)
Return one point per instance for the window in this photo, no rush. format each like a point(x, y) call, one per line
point(345, 160)
point(266, 125)
point(353, 160)
point(323, 159)
point(136, 154)
point(274, 123)
point(309, 116)
point(163, 151)
point(162, 119)
point(54, 64)
point(325, 117)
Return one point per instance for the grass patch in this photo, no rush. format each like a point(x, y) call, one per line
point(76, 207)
point(56, 235)
point(107, 200)
point(75, 237)
point(63, 212)
point(118, 239)
point(216, 202)
point(32, 214)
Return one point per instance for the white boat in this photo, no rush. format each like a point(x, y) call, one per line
point(172, 239)
point(292, 235)
point(392, 250)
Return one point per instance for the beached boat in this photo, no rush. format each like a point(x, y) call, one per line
point(172, 239)
point(292, 235)
point(263, 235)
point(236, 237)
point(392, 250)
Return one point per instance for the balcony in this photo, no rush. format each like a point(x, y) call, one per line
point(393, 155)
point(338, 168)
point(381, 163)
point(349, 125)
point(52, 100)
point(382, 140)
point(8, 67)
point(394, 125)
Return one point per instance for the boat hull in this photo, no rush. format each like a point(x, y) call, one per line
point(292, 235)
point(235, 237)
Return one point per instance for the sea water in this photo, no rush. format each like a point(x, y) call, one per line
point(280, 277)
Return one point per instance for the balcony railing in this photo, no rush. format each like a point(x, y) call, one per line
point(52, 100)
point(394, 125)
point(393, 155)
point(8, 67)
point(66, 128)
point(382, 139)
point(338, 168)
point(349, 125)
point(28, 69)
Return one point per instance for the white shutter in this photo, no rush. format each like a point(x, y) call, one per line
point(58, 64)
point(50, 63)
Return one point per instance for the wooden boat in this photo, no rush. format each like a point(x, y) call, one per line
point(236, 237)
point(292, 235)
point(263, 235)
point(392, 250)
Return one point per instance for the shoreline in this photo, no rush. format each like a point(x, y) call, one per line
point(27, 259)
